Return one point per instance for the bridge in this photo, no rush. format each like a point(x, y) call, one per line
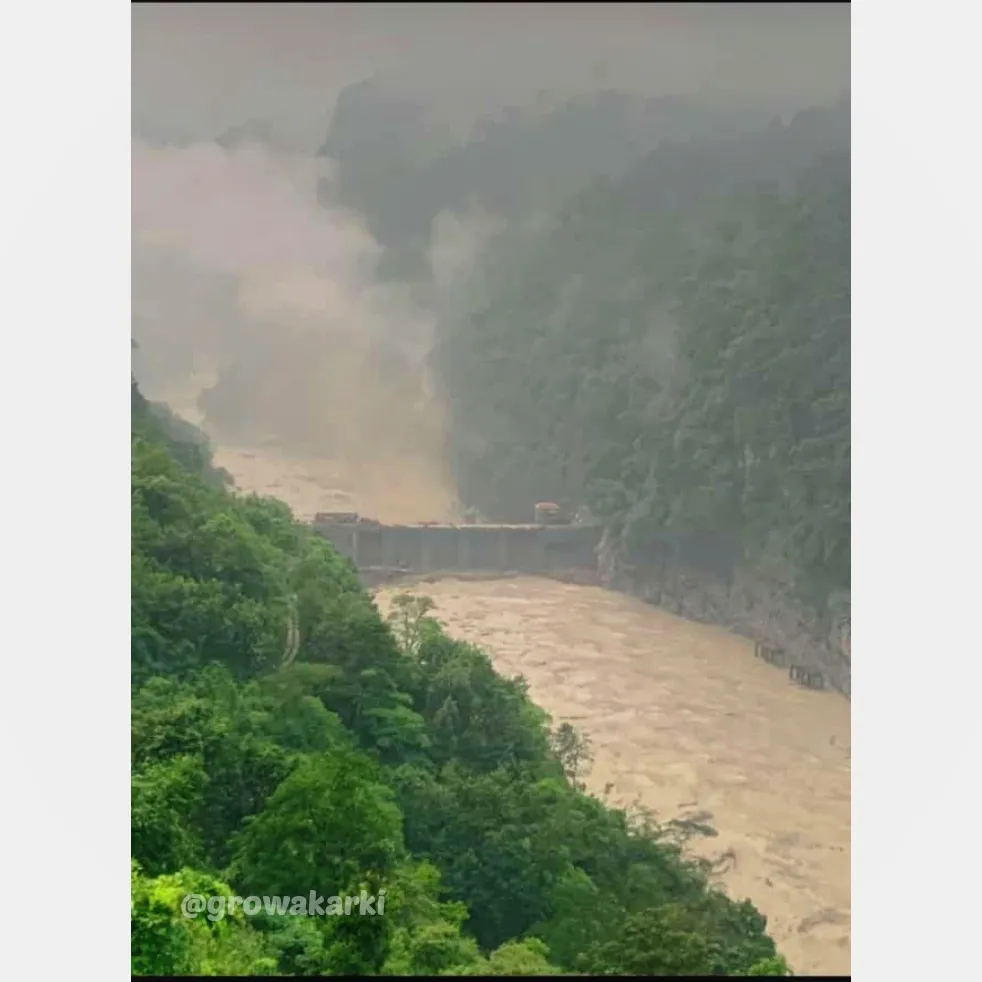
point(562, 551)
point(382, 551)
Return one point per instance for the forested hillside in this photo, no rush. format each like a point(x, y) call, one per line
point(672, 350)
point(400, 166)
point(285, 739)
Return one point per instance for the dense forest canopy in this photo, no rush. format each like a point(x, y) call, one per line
point(401, 166)
point(285, 738)
point(672, 349)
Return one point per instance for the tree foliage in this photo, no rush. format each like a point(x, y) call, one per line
point(377, 759)
point(673, 350)
point(401, 166)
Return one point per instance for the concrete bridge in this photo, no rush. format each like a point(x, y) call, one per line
point(381, 550)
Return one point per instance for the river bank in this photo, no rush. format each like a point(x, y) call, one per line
point(684, 721)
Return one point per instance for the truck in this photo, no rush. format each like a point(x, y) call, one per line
point(549, 513)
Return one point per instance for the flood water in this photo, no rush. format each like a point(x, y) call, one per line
point(683, 719)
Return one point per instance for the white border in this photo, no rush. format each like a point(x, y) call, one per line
point(64, 243)
point(917, 325)
point(64, 396)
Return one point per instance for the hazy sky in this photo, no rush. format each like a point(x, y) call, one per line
point(199, 68)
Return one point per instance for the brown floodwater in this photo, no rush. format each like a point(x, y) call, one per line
point(683, 719)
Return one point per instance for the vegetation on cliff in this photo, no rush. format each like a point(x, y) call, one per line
point(673, 350)
point(400, 166)
point(385, 756)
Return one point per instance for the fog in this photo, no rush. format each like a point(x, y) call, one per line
point(240, 275)
point(247, 267)
point(198, 69)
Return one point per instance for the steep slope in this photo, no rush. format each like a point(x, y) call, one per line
point(673, 351)
point(377, 759)
point(685, 721)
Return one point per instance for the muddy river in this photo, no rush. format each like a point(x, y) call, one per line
point(682, 718)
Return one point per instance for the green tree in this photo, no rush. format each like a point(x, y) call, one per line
point(377, 757)
point(165, 942)
point(328, 826)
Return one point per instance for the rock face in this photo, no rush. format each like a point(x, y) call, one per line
point(747, 603)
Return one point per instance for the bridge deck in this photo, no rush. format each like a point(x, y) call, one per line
point(522, 548)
